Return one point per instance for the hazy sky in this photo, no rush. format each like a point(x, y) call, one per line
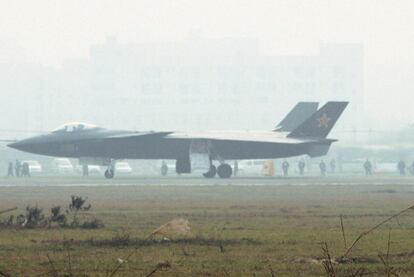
point(50, 32)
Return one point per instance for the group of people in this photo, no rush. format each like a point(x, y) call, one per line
point(18, 169)
point(402, 168)
point(302, 165)
point(368, 168)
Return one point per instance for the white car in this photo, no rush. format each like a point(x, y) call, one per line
point(170, 167)
point(62, 166)
point(34, 166)
point(250, 167)
point(123, 168)
point(92, 169)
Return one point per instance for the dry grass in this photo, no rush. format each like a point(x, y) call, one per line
point(235, 231)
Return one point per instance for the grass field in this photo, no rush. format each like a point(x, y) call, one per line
point(237, 229)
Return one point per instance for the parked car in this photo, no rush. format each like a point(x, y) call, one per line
point(92, 169)
point(62, 166)
point(34, 166)
point(122, 168)
point(170, 167)
point(250, 167)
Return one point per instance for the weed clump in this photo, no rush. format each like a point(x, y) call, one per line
point(34, 217)
point(57, 217)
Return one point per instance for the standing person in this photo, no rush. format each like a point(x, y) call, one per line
point(23, 170)
point(332, 165)
point(26, 170)
point(368, 168)
point(10, 170)
point(322, 167)
point(164, 169)
point(301, 166)
point(401, 167)
point(235, 168)
point(18, 167)
point(285, 168)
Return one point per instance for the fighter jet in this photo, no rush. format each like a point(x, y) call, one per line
point(96, 145)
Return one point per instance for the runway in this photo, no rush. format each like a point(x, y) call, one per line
point(200, 181)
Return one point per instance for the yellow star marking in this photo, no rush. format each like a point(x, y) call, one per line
point(323, 121)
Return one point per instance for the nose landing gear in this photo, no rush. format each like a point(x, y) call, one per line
point(110, 171)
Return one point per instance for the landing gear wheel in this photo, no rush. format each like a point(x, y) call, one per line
point(109, 174)
point(224, 171)
point(211, 172)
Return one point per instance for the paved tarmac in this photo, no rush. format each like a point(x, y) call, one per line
point(200, 181)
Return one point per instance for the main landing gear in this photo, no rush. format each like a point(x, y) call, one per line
point(211, 172)
point(223, 171)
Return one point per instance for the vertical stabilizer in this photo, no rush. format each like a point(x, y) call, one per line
point(321, 122)
point(300, 112)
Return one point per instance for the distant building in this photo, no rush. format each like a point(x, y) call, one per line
point(199, 83)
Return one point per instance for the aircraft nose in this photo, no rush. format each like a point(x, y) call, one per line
point(26, 145)
point(36, 145)
point(19, 145)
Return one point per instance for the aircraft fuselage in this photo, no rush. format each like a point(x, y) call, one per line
point(166, 145)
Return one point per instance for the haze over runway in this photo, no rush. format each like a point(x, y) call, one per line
point(54, 35)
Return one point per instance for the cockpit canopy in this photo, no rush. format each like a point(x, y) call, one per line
point(75, 127)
